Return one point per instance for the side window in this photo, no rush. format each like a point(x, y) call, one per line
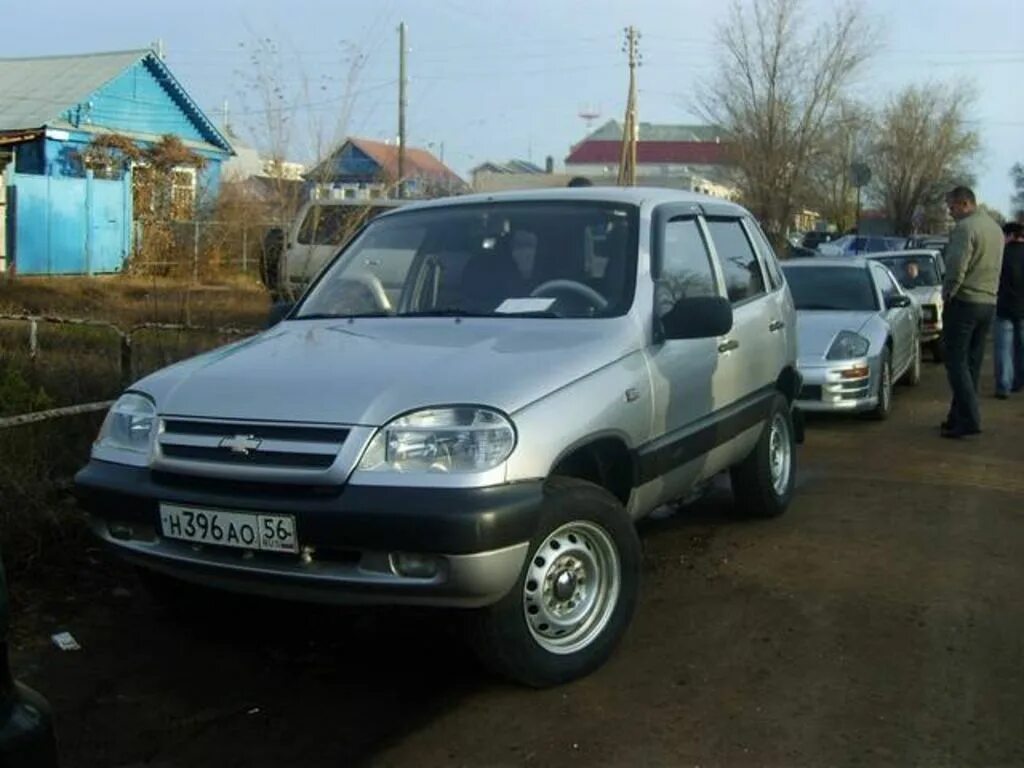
point(743, 277)
point(685, 265)
point(768, 257)
point(886, 284)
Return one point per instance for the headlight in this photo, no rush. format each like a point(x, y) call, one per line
point(128, 429)
point(848, 345)
point(441, 440)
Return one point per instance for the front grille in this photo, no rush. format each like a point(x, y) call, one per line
point(810, 392)
point(251, 444)
point(930, 313)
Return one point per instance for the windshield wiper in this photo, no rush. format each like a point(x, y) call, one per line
point(339, 315)
point(822, 307)
point(453, 312)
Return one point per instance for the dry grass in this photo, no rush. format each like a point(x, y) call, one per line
point(128, 301)
point(39, 523)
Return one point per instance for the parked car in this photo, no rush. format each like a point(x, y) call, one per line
point(469, 408)
point(858, 332)
point(853, 245)
point(928, 242)
point(26, 724)
point(919, 272)
point(319, 230)
point(811, 240)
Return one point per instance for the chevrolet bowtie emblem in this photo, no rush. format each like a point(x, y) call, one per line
point(241, 443)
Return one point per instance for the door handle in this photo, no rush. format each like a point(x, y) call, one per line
point(728, 346)
point(776, 325)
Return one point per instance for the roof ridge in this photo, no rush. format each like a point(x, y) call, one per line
point(96, 54)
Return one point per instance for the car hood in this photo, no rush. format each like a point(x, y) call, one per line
point(370, 370)
point(927, 294)
point(815, 330)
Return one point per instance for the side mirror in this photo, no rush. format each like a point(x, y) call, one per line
point(279, 311)
point(699, 317)
point(898, 301)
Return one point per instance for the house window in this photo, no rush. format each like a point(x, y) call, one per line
point(183, 193)
point(176, 196)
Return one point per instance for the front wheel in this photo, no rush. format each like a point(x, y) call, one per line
point(884, 406)
point(913, 375)
point(763, 483)
point(575, 595)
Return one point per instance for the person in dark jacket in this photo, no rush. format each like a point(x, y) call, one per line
point(1009, 326)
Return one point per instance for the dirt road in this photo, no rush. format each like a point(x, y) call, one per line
point(878, 622)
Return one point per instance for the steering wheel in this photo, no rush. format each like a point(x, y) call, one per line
point(585, 292)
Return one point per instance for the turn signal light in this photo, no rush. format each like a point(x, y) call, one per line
point(857, 372)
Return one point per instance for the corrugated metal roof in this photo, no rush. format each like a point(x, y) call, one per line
point(35, 91)
point(612, 131)
point(647, 151)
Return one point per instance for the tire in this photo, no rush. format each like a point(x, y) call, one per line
point(763, 483)
point(881, 411)
point(540, 637)
point(913, 375)
point(938, 351)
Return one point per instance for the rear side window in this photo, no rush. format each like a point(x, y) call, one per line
point(685, 265)
point(771, 263)
point(743, 277)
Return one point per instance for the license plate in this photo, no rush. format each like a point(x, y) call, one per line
point(274, 533)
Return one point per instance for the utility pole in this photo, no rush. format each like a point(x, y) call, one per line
point(401, 109)
point(630, 127)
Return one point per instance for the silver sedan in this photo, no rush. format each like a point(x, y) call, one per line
point(858, 332)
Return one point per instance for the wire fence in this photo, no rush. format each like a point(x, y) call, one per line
point(200, 249)
point(126, 367)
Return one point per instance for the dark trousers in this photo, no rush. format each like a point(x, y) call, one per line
point(965, 327)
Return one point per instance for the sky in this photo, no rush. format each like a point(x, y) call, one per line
point(502, 79)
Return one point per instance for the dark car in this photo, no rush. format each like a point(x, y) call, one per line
point(26, 727)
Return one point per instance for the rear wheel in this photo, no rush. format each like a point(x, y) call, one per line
point(575, 595)
point(763, 483)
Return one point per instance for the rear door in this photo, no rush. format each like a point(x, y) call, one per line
point(748, 356)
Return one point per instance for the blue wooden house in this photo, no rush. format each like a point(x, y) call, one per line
point(59, 218)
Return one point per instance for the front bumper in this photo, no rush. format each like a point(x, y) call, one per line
point(930, 332)
point(838, 387)
point(478, 536)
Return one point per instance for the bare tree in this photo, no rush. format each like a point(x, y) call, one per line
point(923, 149)
point(1017, 201)
point(778, 84)
point(830, 184)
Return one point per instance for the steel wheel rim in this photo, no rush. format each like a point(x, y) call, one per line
point(571, 588)
point(780, 454)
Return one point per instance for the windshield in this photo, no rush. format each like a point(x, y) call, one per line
point(847, 289)
point(549, 259)
point(913, 271)
point(334, 224)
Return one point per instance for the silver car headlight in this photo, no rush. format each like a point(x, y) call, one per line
point(848, 345)
point(127, 433)
point(461, 439)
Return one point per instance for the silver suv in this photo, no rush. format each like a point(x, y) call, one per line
point(470, 407)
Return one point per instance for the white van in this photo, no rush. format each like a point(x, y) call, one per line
point(321, 228)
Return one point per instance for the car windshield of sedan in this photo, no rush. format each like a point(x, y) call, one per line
point(508, 259)
point(842, 289)
point(913, 271)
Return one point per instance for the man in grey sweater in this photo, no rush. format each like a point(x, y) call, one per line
point(974, 258)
